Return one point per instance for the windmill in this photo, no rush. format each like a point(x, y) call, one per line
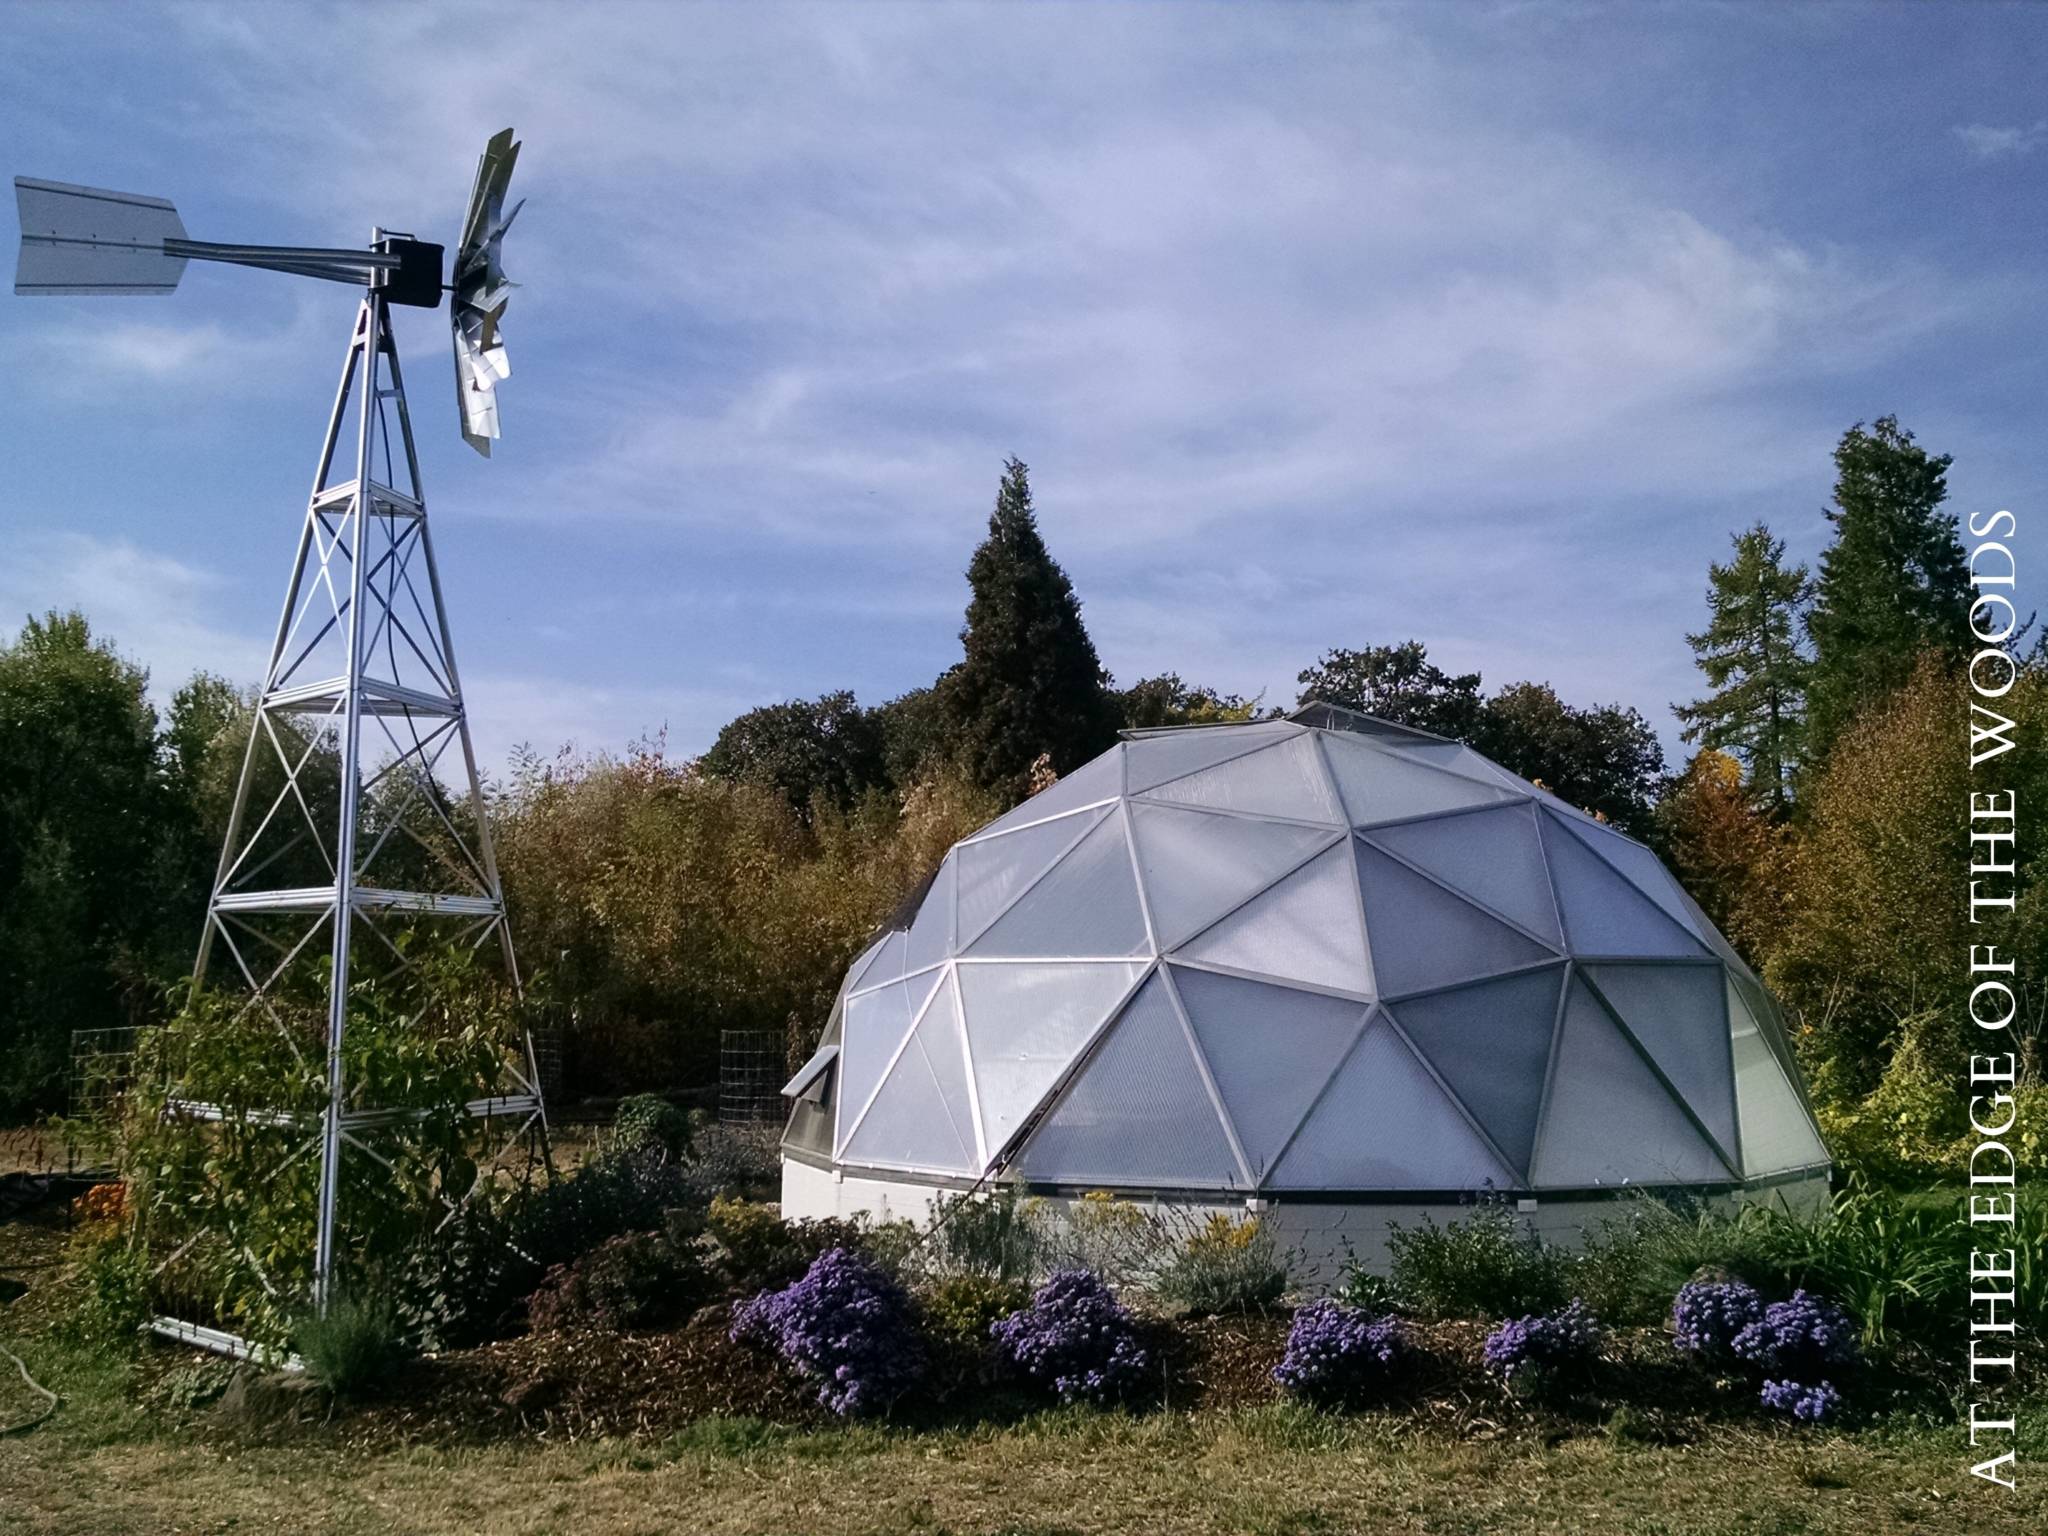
point(362, 667)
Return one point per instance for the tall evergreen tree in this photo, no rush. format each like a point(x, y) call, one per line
point(1894, 583)
point(1751, 655)
point(1030, 682)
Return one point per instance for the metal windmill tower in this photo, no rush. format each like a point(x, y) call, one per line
point(362, 670)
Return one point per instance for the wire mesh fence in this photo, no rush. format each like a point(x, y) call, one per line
point(102, 1066)
point(750, 1063)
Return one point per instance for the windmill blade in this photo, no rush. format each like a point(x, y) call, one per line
point(88, 240)
point(480, 293)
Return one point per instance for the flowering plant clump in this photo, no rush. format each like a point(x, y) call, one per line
point(1337, 1353)
point(1709, 1314)
point(846, 1325)
point(1798, 1345)
point(1552, 1344)
point(1809, 1405)
point(1074, 1338)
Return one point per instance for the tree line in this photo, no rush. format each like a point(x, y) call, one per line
point(658, 899)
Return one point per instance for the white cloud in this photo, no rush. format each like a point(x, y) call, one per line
point(1985, 142)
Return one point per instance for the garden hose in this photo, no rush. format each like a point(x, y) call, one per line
point(34, 1386)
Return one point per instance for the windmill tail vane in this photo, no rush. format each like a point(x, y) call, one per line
point(364, 660)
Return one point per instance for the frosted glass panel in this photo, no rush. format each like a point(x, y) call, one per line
point(1196, 867)
point(931, 935)
point(1025, 1024)
point(1678, 1014)
point(1491, 1044)
point(993, 870)
point(875, 1024)
point(1306, 928)
point(1087, 905)
point(1642, 868)
point(1270, 1050)
point(1423, 936)
point(859, 969)
point(1385, 1124)
point(1155, 759)
point(939, 1036)
point(1776, 1133)
point(1103, 779)
point(1385, 785)
point(1138, 1112)
point(920, 1120)
point(1610, 1121)
point(1603, 913)
point(1282, 780)
point(1491, 856)
point(884, 965)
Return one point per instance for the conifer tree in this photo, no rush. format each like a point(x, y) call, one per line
point(1895, 582)
point(1030, 682)
point(1751, 655)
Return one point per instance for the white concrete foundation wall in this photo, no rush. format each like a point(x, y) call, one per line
point(1321, 1237)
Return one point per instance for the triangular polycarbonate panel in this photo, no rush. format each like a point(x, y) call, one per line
point(993, 870)
point(1026, 1022)
point(1270, 1050)
point(1286, 779)
point(875, 1024)
point(1382, 784)
point(1152, 760)
point(1453, 757)
point(1137, 1112)
point(1765, 1012)
point(1678, 1013)
point(1306, 928)
point(1609, 1120)
point(1642, 868)
point(1196, 867)
point(1777, 1133)
point(1092, 782)
point(856, 971)
point(1491, 856)
point(1491, 1044)
point(1384, 1123)
point(921, 1118)
point(1423, 936)
point(884, 964)
point(931, 935)
point(1087, 904)
point(1603, 913)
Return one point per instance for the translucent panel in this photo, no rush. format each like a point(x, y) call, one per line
point(1603, 913)
point(1306, 928)
point(1452, 757)
point(1643, 869)
point(1386, 785)
point(939, 1036)
point(884, 964)
point(1609, 1120)
point(1270, 1050)
point(1086, 905)
point(1197, 867)
point(1423, 936)
point(1025, 1025)
point(931, 936)
point(1101, 779)
point(875, 1024)
point(1765, 1013)
point(1137, 1113)
point(859, 968)
point(1155, 759)
point(1678, 1014)
point(1777, 1133)
point(991, 871)
point(1491, 856)
point(914, 1121)
point(1385, 1124)
point(1491, 1043)
point(1282, 780)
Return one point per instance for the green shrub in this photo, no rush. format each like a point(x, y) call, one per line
point(113, 1301)
point(646, 1122)
point(568, 1217)
point(1364, 1291)
point(1486, 1264)
point(959, 1309)
point(757, 1250)
point(1225, 1265)
point(1104, 1234)
point(463, 1283)
point(993, 1235)
point(738, 1161)
point(632, 1281)
point(354, 1347)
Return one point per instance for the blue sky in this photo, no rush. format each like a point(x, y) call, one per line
point(1481, 324)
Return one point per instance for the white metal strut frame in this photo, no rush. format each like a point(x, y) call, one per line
point(357, 641)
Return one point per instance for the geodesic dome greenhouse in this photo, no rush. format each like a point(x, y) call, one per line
point(1308, 959)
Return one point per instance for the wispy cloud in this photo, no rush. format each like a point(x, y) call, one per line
point(1985, 142)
